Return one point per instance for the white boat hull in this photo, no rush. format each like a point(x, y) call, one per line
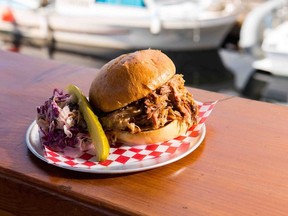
point(137, 31)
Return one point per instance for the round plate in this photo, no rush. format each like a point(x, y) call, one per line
point(123, 159)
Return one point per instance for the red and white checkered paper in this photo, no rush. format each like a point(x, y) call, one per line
point(123, 154)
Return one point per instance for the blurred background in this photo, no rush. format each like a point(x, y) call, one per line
point(237, 47)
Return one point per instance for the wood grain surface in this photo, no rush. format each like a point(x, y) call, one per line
point(239, 169)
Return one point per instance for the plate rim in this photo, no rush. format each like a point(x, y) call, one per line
point(192, 148)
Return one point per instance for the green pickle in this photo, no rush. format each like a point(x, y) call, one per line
point(95, 129)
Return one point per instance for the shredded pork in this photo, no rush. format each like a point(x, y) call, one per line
point(165, 104)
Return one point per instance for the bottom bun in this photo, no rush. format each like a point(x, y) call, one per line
point(168, 132)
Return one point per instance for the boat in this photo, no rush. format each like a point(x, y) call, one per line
point(275, 49)
point(90, 26)
point(268, 44)
point(259, 22)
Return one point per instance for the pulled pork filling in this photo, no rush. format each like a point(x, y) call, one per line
point(169, 102)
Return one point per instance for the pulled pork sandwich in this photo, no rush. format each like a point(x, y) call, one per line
point(140, 100)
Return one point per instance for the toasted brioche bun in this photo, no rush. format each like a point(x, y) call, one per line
point(129, 78)
point(168, 132)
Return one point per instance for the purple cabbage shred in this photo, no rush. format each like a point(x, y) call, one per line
point(61, 124)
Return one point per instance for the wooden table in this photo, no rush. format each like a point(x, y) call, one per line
point(241, 168)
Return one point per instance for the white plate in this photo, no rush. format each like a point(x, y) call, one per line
point(33, 143)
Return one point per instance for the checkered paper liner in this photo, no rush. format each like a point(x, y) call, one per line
point(123, 155)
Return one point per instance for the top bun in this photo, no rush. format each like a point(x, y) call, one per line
point(129, 78)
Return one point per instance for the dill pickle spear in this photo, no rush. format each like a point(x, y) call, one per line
point(95, 129)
